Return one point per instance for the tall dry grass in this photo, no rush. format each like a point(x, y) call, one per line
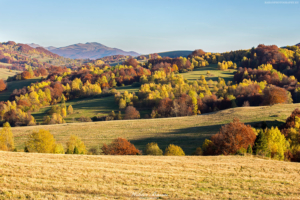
point(49, 176)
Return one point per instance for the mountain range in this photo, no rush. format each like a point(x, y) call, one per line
point(90, 50)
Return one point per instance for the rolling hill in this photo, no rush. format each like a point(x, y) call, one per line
point(187, 132)
point(88, 50)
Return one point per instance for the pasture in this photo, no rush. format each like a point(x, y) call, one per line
point(52, 176)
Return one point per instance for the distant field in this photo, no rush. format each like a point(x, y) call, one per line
point(89, 107)
point(5, 73)
point(50, 176)
point(11, 86)
point(187, 132)
point(214, 73)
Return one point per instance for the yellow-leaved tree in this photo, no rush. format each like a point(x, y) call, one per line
point(41, 142)
point(173, 150)
point(75, 146)
point(6, 138)
point(276, 142)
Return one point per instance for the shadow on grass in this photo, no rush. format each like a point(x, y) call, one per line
point(190, 138)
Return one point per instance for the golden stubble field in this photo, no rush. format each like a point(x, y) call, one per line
point(50, 176)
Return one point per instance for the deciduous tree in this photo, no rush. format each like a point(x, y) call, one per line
point(120, 146)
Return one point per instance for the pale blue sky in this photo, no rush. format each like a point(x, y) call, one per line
point(148, 26)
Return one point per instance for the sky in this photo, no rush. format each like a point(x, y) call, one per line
point(149, 26)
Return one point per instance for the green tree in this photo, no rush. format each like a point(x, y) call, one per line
point(6, 138)
point(261, 145)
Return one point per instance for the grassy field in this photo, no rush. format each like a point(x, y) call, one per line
point(89, 107)
point(11, 86)
point(187, 132)
point(50, 176)
point(5, 73)
point(214, 73)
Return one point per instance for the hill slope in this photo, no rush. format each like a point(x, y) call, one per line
point(187, 132)
point(175, 54)
point(46, 176)
point(91, 50)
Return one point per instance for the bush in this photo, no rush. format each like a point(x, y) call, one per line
point(208, 147)
point(84, 119)
point(131, 113)
point(241, 151)
point(173, 150)
point(153, 149)
point(249, 149)
point(120, 146)
point(198, 152)
point(41, 142)
point(75, 146)
point(232, 137)
point(59, 149)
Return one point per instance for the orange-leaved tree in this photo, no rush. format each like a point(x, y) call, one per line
point(274, 95)
point(232, 137)
point(120, 146)
point(2, 85)
point(131, 113)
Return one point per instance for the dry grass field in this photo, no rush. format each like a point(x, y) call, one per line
point(187, 132)
point(50, 176)
point(5, 73)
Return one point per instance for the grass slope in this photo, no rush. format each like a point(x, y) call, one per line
point(187, 132)
point(89, 107)
point(214, 73)
point(50, 176)
point(11, 86)
point(5, 73)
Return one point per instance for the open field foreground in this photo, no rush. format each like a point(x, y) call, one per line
point(187, 132)
point(49, 176)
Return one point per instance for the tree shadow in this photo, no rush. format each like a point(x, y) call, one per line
point(192, 137)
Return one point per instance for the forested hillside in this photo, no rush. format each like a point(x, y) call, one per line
point(18, 56)
point(159, 87)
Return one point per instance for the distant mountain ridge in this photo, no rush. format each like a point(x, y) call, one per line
point(91, 50)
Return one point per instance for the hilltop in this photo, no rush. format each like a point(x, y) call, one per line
point(88, 50)
point(17, 56)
